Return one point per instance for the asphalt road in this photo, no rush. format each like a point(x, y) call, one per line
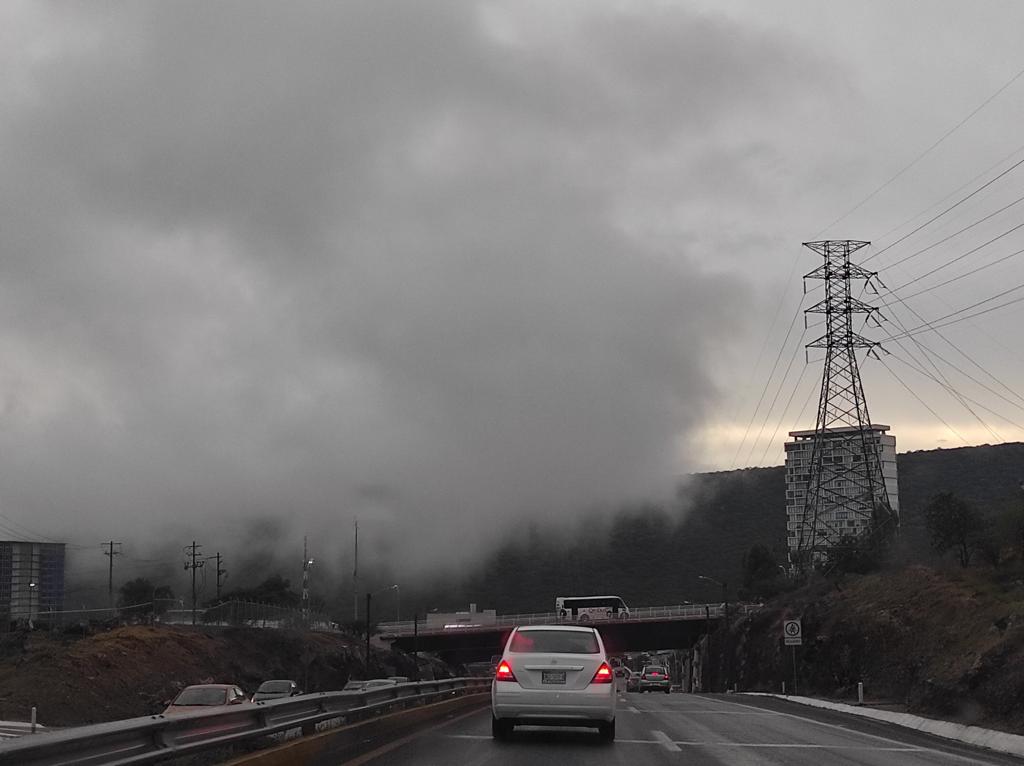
point(655, 729)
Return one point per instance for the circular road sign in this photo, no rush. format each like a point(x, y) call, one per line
point(792, 628)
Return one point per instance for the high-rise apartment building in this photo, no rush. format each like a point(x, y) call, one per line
point(842, 515)
point(31, 581)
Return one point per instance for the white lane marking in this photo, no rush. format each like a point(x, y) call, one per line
point(666, 741)
point(776, 745)
point(698, 711)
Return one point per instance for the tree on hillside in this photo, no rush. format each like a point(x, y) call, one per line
point(761, 571)
point(274, 590)
point(141, 596)
point(954, 523)
point(1010, 522)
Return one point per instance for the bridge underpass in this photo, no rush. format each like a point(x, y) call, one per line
point(479, 644)
point(646, 629)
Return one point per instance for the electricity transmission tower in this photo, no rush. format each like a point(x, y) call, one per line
point(847, 504)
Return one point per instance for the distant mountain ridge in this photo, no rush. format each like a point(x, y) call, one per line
point(653, 555)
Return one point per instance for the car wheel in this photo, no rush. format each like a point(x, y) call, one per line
point(501, 728)
point(667, 691)
point(607, 731)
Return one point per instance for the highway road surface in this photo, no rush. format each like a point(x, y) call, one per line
point(697, 730)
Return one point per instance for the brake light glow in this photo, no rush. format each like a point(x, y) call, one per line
point(504, 672)
point(603, 675)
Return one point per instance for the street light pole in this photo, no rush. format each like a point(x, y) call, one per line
point(725, 637)
point(368, 597)
point(415, 643)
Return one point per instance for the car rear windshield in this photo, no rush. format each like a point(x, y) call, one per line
point(655, 669)
point(202, 697)
point(555, 641)
point(275, 687)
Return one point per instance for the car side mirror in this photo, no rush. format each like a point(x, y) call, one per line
point(237, 701)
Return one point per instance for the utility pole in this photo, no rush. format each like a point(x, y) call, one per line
point(355, 577)
point(307, 562)
point(415, 643)
point(846, 496)
point(110, 553)
point(194, 564)
point(219, 573)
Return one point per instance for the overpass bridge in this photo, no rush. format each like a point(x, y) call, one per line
point(653, 627)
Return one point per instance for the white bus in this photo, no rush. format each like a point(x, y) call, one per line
point(587, 608)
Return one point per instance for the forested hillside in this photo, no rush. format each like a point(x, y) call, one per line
point(654, 555)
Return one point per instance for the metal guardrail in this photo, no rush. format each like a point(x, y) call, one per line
point(156, 738)
point(640, 614)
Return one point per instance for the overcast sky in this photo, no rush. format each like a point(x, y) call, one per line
point(450, 265)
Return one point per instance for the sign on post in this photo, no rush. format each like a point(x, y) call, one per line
point(792, 632)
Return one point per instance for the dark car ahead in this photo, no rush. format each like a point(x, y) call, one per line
point(276, 689)
point(655, 678)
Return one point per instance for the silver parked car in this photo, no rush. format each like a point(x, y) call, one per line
point(276, 689)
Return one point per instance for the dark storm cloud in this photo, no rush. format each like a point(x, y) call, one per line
point(341, 259)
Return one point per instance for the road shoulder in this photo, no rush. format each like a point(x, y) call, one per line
point(988, 739)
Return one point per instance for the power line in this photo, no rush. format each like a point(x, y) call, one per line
point(778, 390)
point(950, 343)
point(922, 401)
point(20, 530)
point(954, 346)
point(928, 151)
point(917, 159)
point(935, 323)
point(972, 378)
point(951, 280)
point(957, 190)
point(789, 402)
point(949, 386)
point(948, 209)
point(953, 391)
point(957, 233)
point(960, 257)
point(807, 401)
point(767, 382)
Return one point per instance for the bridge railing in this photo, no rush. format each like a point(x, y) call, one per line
point(156, 738)
point(639, 614)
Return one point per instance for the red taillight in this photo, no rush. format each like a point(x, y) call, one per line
point(504, 672)
point(603, 675)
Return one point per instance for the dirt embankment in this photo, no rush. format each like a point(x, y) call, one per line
point(947, 644)
point(130, 671)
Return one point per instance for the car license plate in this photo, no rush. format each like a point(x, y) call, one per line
point(552, 676)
